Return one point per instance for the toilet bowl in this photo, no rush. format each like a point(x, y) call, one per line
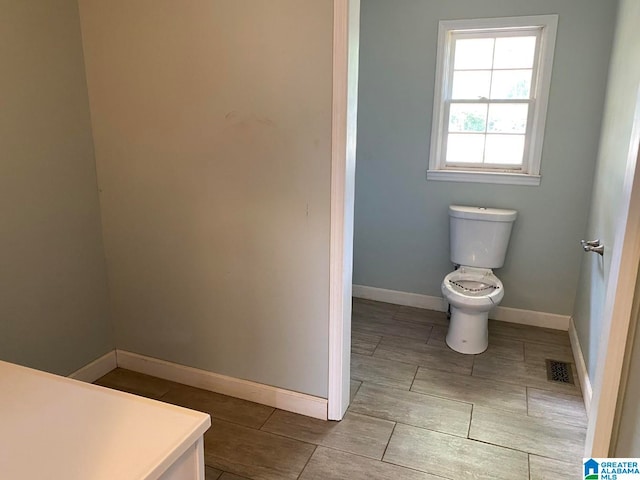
point(471, 294)
point(479, 238)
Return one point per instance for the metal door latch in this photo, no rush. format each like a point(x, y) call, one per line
point(592, 246)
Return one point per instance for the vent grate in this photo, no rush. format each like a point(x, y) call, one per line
point(559, 372)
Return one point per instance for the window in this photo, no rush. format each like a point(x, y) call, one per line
point(490, 99)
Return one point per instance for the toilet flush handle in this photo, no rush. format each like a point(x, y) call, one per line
point(592, 246)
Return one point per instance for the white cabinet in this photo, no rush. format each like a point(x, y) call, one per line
point(57, 428)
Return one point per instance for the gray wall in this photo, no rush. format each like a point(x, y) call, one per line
point(401, 223)
point(622, 91)
point(212, 125)
point(53, 293)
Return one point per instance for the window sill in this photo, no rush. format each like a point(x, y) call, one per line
point(484, 177)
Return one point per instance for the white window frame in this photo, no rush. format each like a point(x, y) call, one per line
point(529, 173)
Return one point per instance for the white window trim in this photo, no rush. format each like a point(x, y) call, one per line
point(530, 173)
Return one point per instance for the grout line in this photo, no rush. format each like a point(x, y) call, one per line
point(276, 434)
point(429, 337)
point(470, 420)
point(415, 374)
point(395, 424)
point(405, 467)
point(352, 398)
point(430, 395)
point(335, 449)
point(231, 422)
point(377, 344)
point(539, 455)
point(307, 462)
point(478, 441)
point(529, 465)
point(268, 418)
point(461, 436)
point(403, 363)
point(512, 449)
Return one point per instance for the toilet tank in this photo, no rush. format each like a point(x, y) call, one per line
point(479, 235)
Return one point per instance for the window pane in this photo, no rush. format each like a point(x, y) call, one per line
point(465, 148)
point(468, 118)
point(474, 53)
point(504, 149)
point(508, 118)
point(471, 85)
point(514, 52)
point(511, 84)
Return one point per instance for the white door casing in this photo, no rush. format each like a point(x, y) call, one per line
point(346, 21)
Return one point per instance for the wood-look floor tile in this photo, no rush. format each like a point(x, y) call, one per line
point(519, 373)
point(231, 476)
point(370, 308)
point(136, 383)
point(542, 468)
point(438, 336)
point(382, 372)
point(538, 353)
point(505, 348)
point(529, 334)
point(418, 353)
point(253, 453)
point(453, 457)
point(327, 464)
point(378, 326)
point(420, 315)
point(364, 343)
point(413, 408)
point(211, 473)
point(498, 346)
point(557, 406)
point(539, 436)
point(219, 406)
point(355, 385)
point(395, 340)
point(466, 388)
point(359, 434)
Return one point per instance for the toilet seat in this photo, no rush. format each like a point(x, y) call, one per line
point(471, 292)
point(472, 287)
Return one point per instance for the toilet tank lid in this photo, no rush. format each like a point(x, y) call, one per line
point(483, 213)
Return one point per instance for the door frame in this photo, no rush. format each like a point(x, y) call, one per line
point(346, 32)
point(621, 284)
point(618, 307)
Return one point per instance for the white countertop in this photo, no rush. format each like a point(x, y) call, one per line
point(52, 427)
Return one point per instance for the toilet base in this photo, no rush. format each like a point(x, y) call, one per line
point(468, 332)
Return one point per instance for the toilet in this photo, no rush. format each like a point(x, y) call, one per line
point(479, 240)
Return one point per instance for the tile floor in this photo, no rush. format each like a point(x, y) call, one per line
point(418, 411)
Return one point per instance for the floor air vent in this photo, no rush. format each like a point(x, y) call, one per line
point(559, 372)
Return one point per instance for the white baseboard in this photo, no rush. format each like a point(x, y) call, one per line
point(581, 366)
point(505, 314)
point(96, 369)
point(531, 317)
point(255, 392)
point(400, 298)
